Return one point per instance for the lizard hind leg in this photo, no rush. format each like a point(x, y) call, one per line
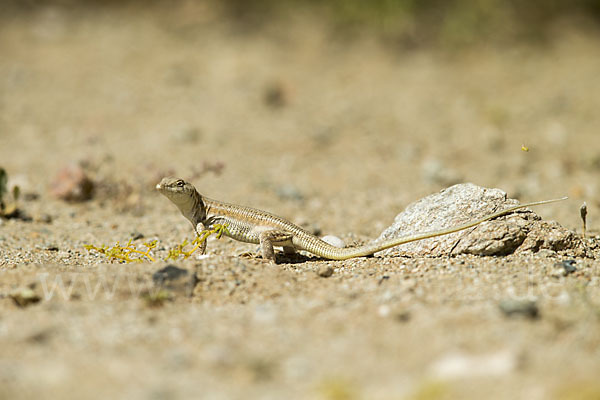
point(271, 238)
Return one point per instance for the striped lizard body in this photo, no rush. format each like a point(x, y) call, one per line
point(251, 225)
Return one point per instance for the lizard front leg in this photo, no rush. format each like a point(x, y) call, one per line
point(273, 237)
point(199, 229)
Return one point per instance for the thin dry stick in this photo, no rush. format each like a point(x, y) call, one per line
point(583, 214)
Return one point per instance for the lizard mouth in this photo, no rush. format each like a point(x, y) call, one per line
point(162, 189)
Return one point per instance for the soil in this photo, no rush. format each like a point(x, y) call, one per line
point(335, 133)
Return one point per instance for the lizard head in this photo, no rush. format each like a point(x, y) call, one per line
point(177, 190)
point(184, 195)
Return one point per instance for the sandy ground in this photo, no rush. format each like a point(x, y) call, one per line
point(338, 135)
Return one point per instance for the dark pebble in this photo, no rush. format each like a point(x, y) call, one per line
point(568, 265)
point(31, 196)
point(137, 235)
point(168, 273)
point(45, 218)
point(25, 297)
point(403, 316)
point(524, 308)
point(325, 271)
point(176, 280)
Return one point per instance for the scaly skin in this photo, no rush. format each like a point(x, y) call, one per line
point(250, 225)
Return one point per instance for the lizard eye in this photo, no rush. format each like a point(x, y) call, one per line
point(180, 183)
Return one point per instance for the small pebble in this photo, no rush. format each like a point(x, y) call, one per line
point(137, 235)
point(525, 308)
point(403, 316)
point(334, 241)
point(176, 280)
point(72, 184)
point(564, 268)
point(568, 265)
point(45, 218)
point(168, 273)
point(383, 310)
point(325, 271)
point(24, 297)
point(462, 365)
point(277, 94)
point(40, 336)
point(31, 196)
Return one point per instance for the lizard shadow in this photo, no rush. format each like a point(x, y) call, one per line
point(297, 258)
point(284, 258)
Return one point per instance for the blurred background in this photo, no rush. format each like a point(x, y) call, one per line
point(335, 114)
point(365, 105)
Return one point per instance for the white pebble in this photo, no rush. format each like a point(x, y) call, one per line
point(464, 365)
point(334, 241)
point(383, 310)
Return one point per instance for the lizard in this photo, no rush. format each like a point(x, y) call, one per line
point(251, 225)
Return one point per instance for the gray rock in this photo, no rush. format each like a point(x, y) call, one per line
point(170, 273)
point(176, 280)
point(520, 231)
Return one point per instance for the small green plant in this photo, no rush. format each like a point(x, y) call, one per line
point(197, 243)
point(8, 203)
point(130, 252)
point(127, 253)
point(157, 299)
point(3, 182)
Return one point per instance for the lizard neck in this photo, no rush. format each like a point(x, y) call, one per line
point(194, 209)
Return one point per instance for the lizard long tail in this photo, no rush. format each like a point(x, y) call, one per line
point(325, 250)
